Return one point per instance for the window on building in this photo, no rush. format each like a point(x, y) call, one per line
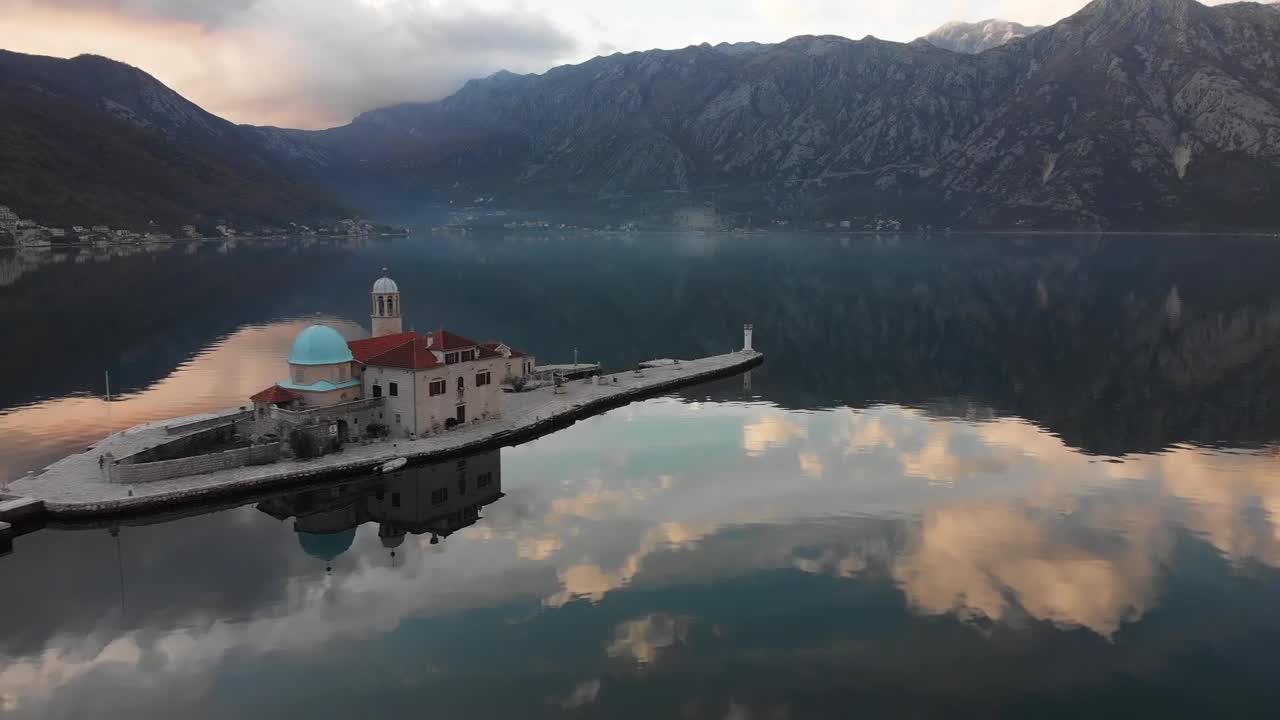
point(297, 375)
point(483, 479)
point(462, 383)
point(468, 355)
point(393, 389)
point(397, 418)
point(451, 358)
point(381, 306)
point(508, 369)
point(377, 391)
point(462, 484)
point(395, 499)
point(439, 497)
point(482, 379)
point(437, 387)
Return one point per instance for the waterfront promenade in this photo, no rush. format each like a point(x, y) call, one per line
point(76, 486)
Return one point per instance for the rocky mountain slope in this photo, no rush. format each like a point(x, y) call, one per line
point(1129, 114)
point(90, 140)
point(976, 37)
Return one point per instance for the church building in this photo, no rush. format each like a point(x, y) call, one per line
point(414, 384)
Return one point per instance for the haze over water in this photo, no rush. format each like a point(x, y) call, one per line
point(975, 476)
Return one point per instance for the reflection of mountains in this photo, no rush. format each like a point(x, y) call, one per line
point(431, 500)
point(139, 315)
point(1119, 344)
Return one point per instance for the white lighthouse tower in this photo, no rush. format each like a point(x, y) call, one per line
point(747, 330)
point(386, 307)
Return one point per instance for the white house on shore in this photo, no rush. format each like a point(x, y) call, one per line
point(414, 384)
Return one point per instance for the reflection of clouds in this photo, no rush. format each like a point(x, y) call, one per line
point(864, 431)
point(1024, 524)
point(939, 462)
point(977, 561)
point(591, 582)
point(811, 465)
point(771, 430)
point(833, 561)
point(584, 693)
point(539, 548)
point(1219, 491)
point(642, 638)
point(592, 503)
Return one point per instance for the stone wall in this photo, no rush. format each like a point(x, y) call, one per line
point(200, 442)
point(150, 472)
point(212, 421)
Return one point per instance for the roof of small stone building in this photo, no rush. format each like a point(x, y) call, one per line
point(275, 394)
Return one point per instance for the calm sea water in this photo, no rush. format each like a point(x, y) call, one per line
point(975, 477)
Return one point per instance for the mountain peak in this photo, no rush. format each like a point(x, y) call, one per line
point(975, 37)
point(1129, 8)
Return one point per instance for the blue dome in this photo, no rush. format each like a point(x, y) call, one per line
point(320, 345)
point(328, 546)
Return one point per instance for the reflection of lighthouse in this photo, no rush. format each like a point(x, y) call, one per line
point(432, 500)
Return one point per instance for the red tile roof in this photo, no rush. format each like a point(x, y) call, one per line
point(411, 350)
point(445, 340)
point(364, 350)
point(411, 355)
point(275, 394)
point(492, 345)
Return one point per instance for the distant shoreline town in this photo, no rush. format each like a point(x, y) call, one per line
point(16, 231)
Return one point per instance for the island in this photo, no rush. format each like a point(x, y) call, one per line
point(347, 407)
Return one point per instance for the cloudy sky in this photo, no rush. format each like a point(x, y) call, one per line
point(317, 63)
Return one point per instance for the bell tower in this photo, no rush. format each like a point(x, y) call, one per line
point(386, 307)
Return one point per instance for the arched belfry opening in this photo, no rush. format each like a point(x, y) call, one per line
point(386, 307)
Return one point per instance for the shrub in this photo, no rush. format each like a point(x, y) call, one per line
point(375, 430)
point(519, 383)
point(303, 445)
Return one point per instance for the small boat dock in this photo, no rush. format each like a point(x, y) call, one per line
point(568, 371)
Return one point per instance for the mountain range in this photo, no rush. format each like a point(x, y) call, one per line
point(89, 140)
point(1130, 114)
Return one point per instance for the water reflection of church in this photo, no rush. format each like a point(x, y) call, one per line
point(428, 500)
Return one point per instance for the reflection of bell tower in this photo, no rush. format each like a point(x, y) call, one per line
point(386, 307)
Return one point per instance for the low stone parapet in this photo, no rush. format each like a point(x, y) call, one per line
point(214, 420)
point(302, 417)
point(129, 473)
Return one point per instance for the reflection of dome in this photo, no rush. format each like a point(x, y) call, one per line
point(385, 284)
point(320, 345)
point(392, 537)
point(328, 546)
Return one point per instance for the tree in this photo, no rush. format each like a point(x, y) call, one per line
point(303, 445)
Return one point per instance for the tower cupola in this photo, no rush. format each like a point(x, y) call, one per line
point(386, 307)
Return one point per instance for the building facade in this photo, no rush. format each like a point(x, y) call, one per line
point(418, 383)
